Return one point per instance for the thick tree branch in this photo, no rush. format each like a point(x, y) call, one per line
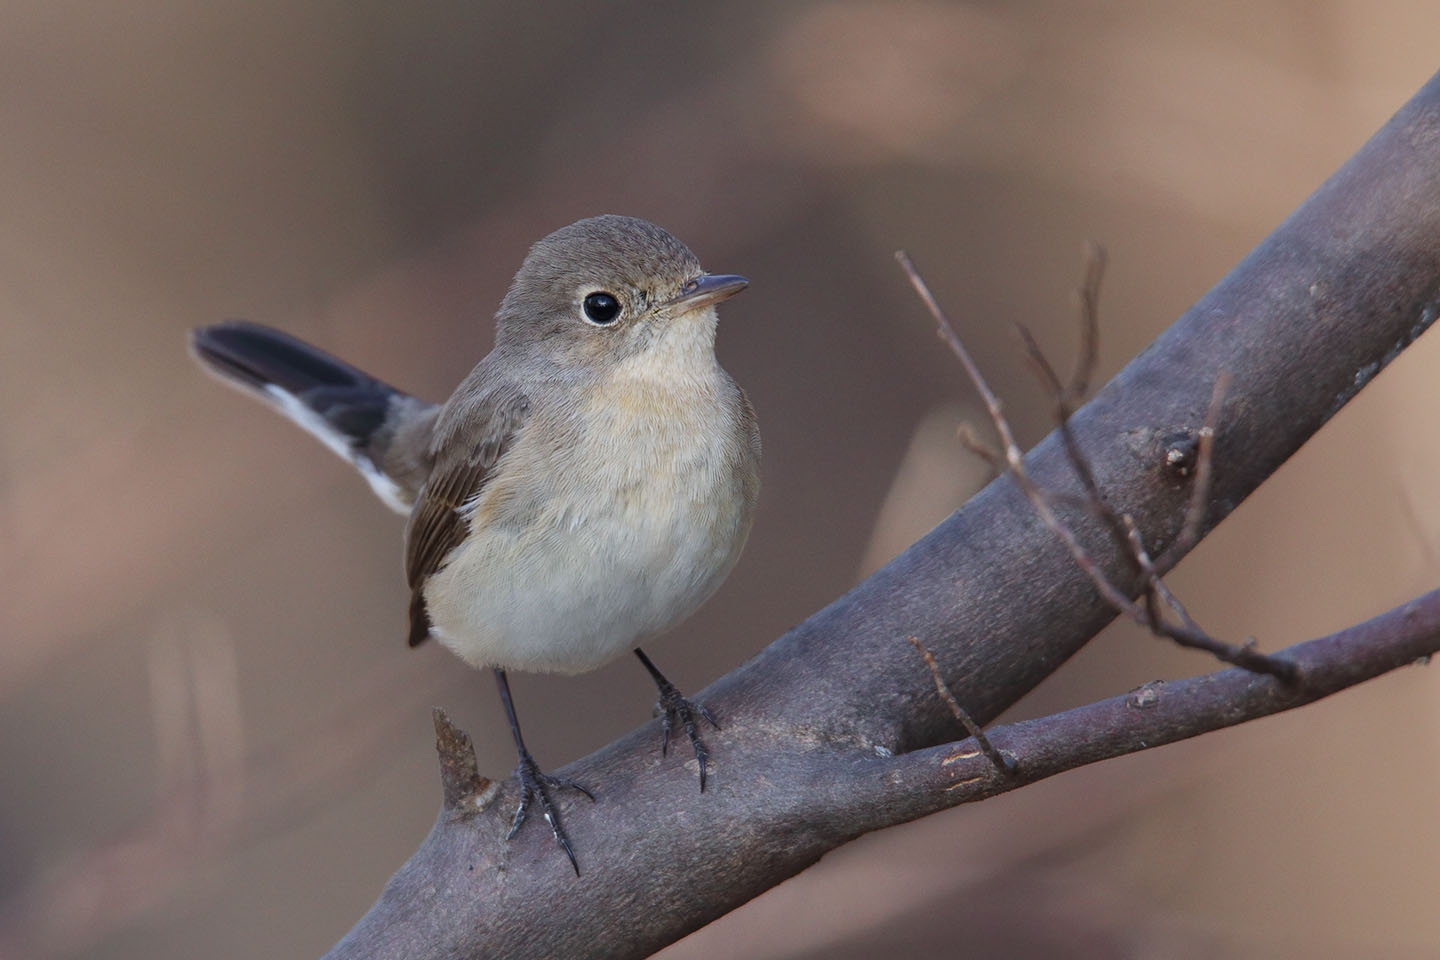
point(840, 711)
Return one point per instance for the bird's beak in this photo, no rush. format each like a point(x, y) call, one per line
point(706, 290)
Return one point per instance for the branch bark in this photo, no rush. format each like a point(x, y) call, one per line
point(836, 730)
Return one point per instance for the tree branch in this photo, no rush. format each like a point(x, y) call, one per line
point(1161, 713)
point(1122, 529)
point(839, 712)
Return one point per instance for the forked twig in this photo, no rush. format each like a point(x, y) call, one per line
point(1087, 357)
point(1121, 528)
point(1204, 458)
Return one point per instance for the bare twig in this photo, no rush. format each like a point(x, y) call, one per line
point(980, 448)
point(1189, 633)
point(1013, 458)
point(1005, 764)
point(1093, 501)
point(1156, 587)
point(1068, 395)
point(1204, 467)
point(1122, 530)
point(952, 340)
point(1164, 713)
point(1121, 527)
point(1087, 357)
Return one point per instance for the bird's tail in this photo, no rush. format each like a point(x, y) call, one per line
point(352, 413)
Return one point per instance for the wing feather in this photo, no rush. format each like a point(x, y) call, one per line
point(440, 522)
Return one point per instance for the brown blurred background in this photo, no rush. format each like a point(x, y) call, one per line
point(214, 741)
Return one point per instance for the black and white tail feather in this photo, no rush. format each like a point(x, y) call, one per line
point(346, 409)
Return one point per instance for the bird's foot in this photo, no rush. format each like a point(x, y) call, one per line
point(535, 787)
point(674, 708)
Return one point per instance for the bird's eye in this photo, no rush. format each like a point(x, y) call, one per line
point(600, 308)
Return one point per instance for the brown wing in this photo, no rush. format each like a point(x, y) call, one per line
point(467, 450)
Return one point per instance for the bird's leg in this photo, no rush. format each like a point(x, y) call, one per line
point(533, 783)
point(671, 707)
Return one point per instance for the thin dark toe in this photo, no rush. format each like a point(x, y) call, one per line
point(535, 788)
point(674, 708)
point(570, 785)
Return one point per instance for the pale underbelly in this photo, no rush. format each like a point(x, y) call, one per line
point(569, 591)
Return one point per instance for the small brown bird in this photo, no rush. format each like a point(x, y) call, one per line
point(588, 485)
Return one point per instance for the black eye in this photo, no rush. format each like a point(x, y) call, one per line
point(601, 308)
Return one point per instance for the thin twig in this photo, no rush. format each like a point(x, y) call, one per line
point(1121, 529)
point(979, 447)
point(1013, 458)
point(1204, 467)
point(1095, 502)
point(1044, 372)
point(1156, 585)
point(1189, 633)
point(1068, 396)
point(952, 340)
point(1004, 763)
point(1087, 357)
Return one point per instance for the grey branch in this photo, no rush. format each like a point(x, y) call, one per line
point(836, 729)
point(1122, 528)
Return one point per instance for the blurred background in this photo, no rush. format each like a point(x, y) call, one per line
point(214, 741)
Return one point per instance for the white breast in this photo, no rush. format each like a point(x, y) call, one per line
point(584, 546)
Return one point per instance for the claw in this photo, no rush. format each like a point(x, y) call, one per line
point(534, 785)
point(533, 782)
point(672, 707)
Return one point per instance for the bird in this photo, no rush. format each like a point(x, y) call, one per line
point(586, 487)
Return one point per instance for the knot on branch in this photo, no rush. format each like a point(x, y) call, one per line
point(459, 773)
